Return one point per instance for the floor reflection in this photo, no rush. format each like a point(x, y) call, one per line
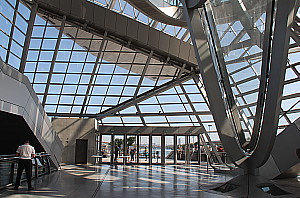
point(128, 181)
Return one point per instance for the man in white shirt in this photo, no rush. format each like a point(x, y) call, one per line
point(25, 152)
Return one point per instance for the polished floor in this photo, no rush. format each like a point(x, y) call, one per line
point(136, 181)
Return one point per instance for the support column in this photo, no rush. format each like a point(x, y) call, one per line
point(138, 149)
point(100, 148)
point(186, 149)
point(125, 149)
point(175, 149)
point(199, 150)
point(163, 150)
point(112, 149)
point(150, 149)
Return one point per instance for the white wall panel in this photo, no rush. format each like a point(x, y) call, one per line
point(17, 97)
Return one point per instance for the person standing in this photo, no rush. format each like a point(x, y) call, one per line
point(117, 150)
point(132, 153)
point(25, 152)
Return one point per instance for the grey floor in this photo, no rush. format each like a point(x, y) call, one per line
point(136, 181)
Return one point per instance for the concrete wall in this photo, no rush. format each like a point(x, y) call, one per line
point(70, 129)
point(18, 97)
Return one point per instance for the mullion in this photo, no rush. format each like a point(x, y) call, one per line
point(12, 31)
point(39, 52)
point(65, 74)
point(112, 76)
point(98, 65)
point(81, 72)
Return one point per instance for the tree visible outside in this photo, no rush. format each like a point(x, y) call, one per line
point(130, 141)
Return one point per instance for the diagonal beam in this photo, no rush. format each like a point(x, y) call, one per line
point(210, 79)
point(134, 115)
point(101, 48)
point(143, 73)
point(144, 96)
point(200, 122)
point(61, 30)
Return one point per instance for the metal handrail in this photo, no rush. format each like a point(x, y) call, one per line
point(8, 165)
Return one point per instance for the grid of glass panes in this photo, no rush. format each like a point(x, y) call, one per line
point(123, 7)
point(179, 106)
point(242, 53)
point(242, 49)
point(13, 27)
point(79, 83)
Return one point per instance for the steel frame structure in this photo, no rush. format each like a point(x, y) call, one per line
point(213, 69)
point(79, 71)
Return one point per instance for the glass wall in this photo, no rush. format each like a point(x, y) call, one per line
point(156, 150)
point(13, 27)
point(132, 148)
point(148, 149)
point(119, 149)
point(193, 149)
point(106, 148)
point(144, 149)
point(169, 146)
point(181, 148)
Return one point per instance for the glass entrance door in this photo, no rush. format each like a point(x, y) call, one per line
point(144, 149)
point(181, 149)
point(169, 145)
point(132, 148)
point(156, 150)
point(193, 150)
point(118, 149)
point(105, 149)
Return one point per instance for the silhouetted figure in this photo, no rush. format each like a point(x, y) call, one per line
point(132, 153)
point(117, 150)
point(25, 152)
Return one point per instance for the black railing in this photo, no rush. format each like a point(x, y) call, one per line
point(41, 165)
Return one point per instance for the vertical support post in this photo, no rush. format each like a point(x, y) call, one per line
point(163, 150)
point(199, 150)
point(125, 149)
point(138, 150)
point(175, 149)
point(48, 163)
point(36, 168)
point(100, 147)
point(112, 149)
point(186, 150)
point(150, 148)
point(12, 171)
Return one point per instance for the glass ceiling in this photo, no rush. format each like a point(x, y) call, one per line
point(76, 73)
